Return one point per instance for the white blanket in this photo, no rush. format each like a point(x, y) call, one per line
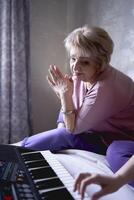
point(76, 161)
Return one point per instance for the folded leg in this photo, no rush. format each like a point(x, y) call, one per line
point(118, 153)
point(59, 139)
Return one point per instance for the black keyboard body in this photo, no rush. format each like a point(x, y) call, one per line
point(19, 170)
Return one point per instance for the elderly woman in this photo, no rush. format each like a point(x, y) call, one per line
point(97, 101)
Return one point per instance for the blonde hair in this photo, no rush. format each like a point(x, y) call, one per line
point(94, 41)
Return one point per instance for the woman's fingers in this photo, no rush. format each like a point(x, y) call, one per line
point(59, 83)
point(83, 186)
point(89, 179)
point(59, 73)
point(100, 193)
point(68, 77)
point(52, 73)
point(78, 181)
point(55, 73)
point(50, 81)
point(107, 184)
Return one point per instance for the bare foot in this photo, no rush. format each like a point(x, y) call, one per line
point(17, 144)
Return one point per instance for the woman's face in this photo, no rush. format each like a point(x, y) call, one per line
point(83, 68)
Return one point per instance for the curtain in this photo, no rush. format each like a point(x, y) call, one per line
point(15, 109)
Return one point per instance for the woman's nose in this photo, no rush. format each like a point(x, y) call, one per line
point(76, 65)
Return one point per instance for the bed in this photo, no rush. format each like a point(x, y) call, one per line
point(76, 161)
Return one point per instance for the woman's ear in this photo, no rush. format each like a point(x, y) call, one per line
point(98, 68)
point(101, 67)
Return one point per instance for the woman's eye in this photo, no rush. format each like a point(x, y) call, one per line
point(86, 62)
point(72, 59)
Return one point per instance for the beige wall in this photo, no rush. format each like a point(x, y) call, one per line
point(48, 27)
point(51, 20)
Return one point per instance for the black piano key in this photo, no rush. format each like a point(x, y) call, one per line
point(25, 150)
point(50, 179)
point(57, 194)
point(50, 183)
point(33, 156)
point(38, 163)
point(42, 173)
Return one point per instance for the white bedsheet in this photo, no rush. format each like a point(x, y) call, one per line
point(76, 161)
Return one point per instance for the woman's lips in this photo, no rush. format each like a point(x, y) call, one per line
point(77, 74)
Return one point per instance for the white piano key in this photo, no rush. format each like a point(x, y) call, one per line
point(62, 174)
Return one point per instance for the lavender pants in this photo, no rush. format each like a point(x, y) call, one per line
point(117, 153)
point(59, 139)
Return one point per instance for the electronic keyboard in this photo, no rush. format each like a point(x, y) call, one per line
point(34, 175)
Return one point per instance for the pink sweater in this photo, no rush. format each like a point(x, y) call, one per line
point(107, 107)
